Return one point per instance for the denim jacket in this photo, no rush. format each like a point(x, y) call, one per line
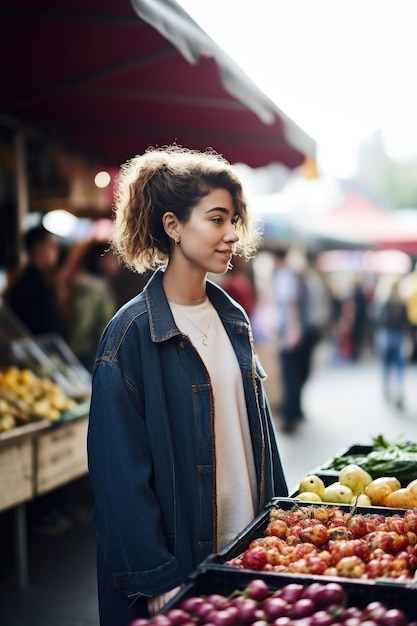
point(151, 441)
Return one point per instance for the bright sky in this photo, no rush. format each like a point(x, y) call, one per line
point(339, 69)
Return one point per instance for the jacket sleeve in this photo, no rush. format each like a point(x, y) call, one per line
point(126, 515)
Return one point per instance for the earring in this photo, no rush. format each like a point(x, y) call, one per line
point(177, 241)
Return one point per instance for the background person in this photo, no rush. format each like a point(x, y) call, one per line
point(408, 288)
point(91, 299)
point(33, 294)
point(290, 297)
point(176, 380)
point(392, 335)
point(317, 316)
point(239, 285)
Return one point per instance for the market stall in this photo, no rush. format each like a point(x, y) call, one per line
point(44, 402)
point(318, 563)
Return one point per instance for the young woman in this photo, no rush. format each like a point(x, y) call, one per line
point(182, 450)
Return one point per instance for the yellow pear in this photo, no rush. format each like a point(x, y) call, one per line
point(412, 486)
point(336, 492)
point(361, 499)
point(403, 498)
point(312, 484)
point(354, 477)
point(380, 488)
point(393, 482)
point(309, 496)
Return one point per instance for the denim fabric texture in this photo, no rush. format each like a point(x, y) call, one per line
point(151, 441)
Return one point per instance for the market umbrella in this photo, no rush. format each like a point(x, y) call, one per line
point(109, 78)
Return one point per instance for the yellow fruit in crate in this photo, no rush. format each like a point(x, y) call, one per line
point(402, 498)
point(380, 488)
point(338, 493)
point(360, 499)
point(312, 484)
point(354, 477)
point(27, 377)
point(309, 496)
point(412, 486)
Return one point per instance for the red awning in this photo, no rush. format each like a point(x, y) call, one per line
point(360, 218)
point(110, 77)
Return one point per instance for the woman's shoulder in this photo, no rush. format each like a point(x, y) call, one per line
point(130, 311)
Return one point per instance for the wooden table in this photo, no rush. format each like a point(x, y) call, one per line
point(34, 459)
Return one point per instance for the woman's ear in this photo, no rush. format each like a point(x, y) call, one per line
point(170, 224)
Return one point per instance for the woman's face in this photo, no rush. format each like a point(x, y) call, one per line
point(208, 237)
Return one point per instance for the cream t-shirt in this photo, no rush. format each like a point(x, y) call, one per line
point(235, 467)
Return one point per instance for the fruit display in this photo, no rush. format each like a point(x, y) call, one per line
point(10, 413)
point(334, 541)
point(354, 485)
point(50, 357)
point(24, 396)
point(293, 604)
point(382, 458)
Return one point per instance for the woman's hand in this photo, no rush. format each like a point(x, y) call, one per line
point(158, 602)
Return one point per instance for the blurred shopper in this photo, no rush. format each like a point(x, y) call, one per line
point(91, 299)
point(33, 294)
point(409, 290)
point(317, 313)
point(392, 337)
point(350, 319)
point(290, 295)
point(360, 325)
point(239, 285)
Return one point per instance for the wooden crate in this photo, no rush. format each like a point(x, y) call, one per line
point(61, 455)
point(16, 472)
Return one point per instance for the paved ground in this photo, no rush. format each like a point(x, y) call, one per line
point(344, 404)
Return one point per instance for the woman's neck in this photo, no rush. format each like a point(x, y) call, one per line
point(184, 290)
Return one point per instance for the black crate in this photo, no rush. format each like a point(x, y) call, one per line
point(216, 579)
point(257, 529)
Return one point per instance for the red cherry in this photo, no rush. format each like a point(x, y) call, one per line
point(321, 618)
point(274, 607)
point(394, 617)
point(257, 589)
point(160, 620)
point(254, 558)
point(191, 604)
point(330, 594)
point(304, 607)
point(291, 592)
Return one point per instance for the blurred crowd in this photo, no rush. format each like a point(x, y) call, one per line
point(300, 306)
point(71, 290)
point(293, 305)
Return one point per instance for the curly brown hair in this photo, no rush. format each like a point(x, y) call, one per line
point(171, 178)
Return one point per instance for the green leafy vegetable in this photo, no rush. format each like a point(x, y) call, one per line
point(385, 459)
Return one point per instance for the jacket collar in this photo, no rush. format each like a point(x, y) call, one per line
point(161, 321)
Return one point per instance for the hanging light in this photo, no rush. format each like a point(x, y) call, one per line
point(102, 179)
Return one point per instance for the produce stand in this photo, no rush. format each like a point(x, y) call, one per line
point(35, 459)
point(232, 570)
point(211, 580)
point(39, 454)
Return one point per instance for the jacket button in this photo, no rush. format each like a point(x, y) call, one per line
point(182, 345)
point(118, 582)
point(239, 330)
